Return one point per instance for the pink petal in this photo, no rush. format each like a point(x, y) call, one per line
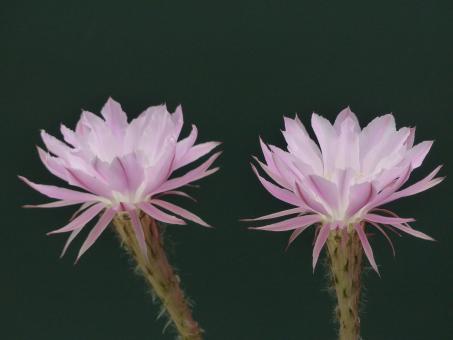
point(359, 196)
point(60, 193)
point(295, 234)
point(418, 153)
point(280, 193)
point(55, 146)
point(179, 211)
point(81, 220)
point(81, 208)
point(139, 234)
point(196, 152)
point(326, 190)
point(267, 153)
point(346, 114)
point(69, 136)
point(319, 244)
point(159, 214)
point(412, 232)
point(366, 246)
point(56, 204)
point(177, 193)
point(184, 145)
point(127, 171)
point(193, 175)
point(422, 185)
point(274, 174)
point(301, 145)
point(327, 138)
point(71, 237)
point(97, 230)
point(308, 200)
point(114, 116)
point(89, 183)
point(291, 224)
point(275, 215)
point(386, 219)
point(378, 227)
point(53, 164)
point(373, 133)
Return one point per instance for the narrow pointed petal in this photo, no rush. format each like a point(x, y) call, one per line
point(386, 219)
point(378, 227)
point(71, 238)
point(60, 193)
point(177, 193)
point(366, 246)
point(412, 231)
point(319, 244)
point(280, 193)
point(422, 185)
point(193, 175)
point(56, 204)
point(295, 234)
point(291, 224)
point(275, 215)
point(81, 220)
point(196, 152)
point(159, 214)
point(139, 233)
point(97, 230)
point(180, 211)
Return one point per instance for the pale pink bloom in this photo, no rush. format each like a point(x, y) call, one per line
point(122, 167)
point(340, 183)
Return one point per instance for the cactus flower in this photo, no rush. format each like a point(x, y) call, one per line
point(339, 185)
point(124, 172)
point(122, 167)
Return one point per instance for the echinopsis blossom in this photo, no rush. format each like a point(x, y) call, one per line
point(122, 167)
point(340, 184)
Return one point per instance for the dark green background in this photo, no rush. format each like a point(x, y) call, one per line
point(237, 68)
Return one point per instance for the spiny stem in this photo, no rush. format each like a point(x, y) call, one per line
point(158, 273)
point(345, 254)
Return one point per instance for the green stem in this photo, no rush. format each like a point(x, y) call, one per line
point(345, 254)
point(159, 274)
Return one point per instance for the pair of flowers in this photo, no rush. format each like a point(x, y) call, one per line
point(337, 184)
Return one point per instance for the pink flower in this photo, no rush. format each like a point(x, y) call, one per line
point(340, 184)
point(122, 167)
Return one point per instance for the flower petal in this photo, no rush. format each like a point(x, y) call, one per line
point(290, 224)
point(319, 244)
point(387, 219)
point(97, 230)
point(280, 193)
point(179, 211)
point(275, 215)
point(60, 193)
point(114, 116)
point(366, 246)
point(196, 152)
point(139, 233)
point(191, 176)
point(159, 214)
point(81, 220)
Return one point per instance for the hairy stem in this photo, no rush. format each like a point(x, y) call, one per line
point(345, 255)
point(158, 273)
